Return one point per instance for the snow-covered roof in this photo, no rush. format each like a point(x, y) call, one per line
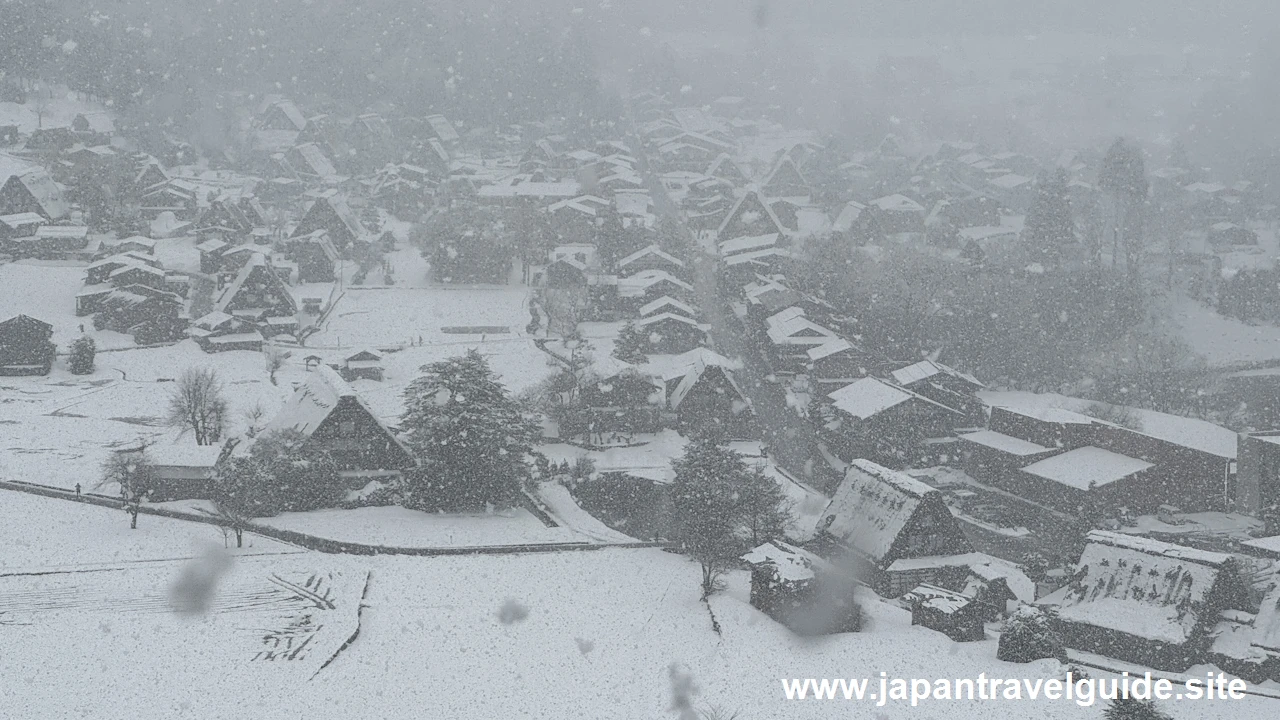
point(188, 455)
point(748, 243)
point(311, 403)
point(791, 563)
point(848, 215)
point(1080, 467)
point(666, 304)
point(1010, 181)
point(522, 186)
point(828, 348)
point(981, 564)
point(869, 396)
point(62, 231)
point(46, 192)
point(691, 377)
point(898, 203)
point(1057, 415)
point(1004, 443)
point(872, 506)
point(926, 369)
point(636, 285)
point(1268, 545)
point(661, 317)
point(17, 220)
point(1140, 586)
point(586, 204)
point(646, 251)
point(757, 256)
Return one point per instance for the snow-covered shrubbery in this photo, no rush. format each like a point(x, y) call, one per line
point(1029, 635)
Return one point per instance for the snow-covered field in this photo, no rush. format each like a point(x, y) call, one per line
point(1223, 340)
point(558, 635)
point(47, 292)
point(400, 527)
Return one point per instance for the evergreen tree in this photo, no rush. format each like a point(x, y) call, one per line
point(631, 345)
point(82, 352)
point(472, 437)
point(716, 503)
point(766, 510)
point(1123, 175)
point(1049, 227)
point(1123, 708)
point(299, 476)
point(241, 493)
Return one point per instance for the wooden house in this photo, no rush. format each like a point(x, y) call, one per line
point(752, 217)
point(666, 304)
point(182, 471)
point(879, 516)
point(672, 333)
point(801, 590)
point(220, 332)
point(1145, 601)
point(875, 418)
point(950, 613)
point(20, 225)
point(278, 113)
point(26, 346)
point(149, 314)
point(334, 418)
point(726, 169)
point(636, 290)
point(898, 213)
point(707, 395)
point(785, 181)
point(333, 215)
point(945, 385)
point(136, 244)
point(316, 257)
point(176, 196)
point(257, 293)
point(211, 251)
point(364, 365)
point(33, 191)
point(836, 363)
point(651, 257)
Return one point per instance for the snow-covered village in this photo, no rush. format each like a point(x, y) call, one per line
point(493, 360)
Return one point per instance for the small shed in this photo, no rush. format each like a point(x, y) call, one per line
point(950, 613)
point(364, 365)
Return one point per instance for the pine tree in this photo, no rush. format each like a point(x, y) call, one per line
point(472, 437)
point(1129, 709)
point(631, 345)
point(1049, 227)
point(241, 493)
point(766, 510)
point(82, 352)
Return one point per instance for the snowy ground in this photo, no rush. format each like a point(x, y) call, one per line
point(60, 428)
point(54, 112)
point(563, 635)
point(47, 292)
point(400, 527)
point(1223, 340)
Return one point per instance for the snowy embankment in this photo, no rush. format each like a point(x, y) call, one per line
point(563, 635)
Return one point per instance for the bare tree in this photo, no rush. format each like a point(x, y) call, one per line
point(275, 361)
point(254, 417)
point(131, 471)
point(197, 405)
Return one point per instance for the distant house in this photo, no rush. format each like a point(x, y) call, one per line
point(182, 472)
point(176, 196)
point(651, 257)
point(801, 590)
point(131, 244)
point(333, 215)
point(785, 181)
point(20, 225)
point(898, 213)
point(726, 169)
point(1227, 234)
point(33, 191)
point(708, 395)
point(220, 332)
point(26, 346)
point(257, 293)
point(947, 611)
point(751, 216)
point(364, 365)
point(277, 113)
point(672, 333)
point(643, 287)
point(879, 516)
point(316, 257)
point(1144, 601)
point(334, 418)
point(944, 385)
point(875, 418)
point(211, 251)
point(308, 162)
point(666, 304)
point(836, 363)
point(150, 314)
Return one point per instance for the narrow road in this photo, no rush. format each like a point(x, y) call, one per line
point(791, 439)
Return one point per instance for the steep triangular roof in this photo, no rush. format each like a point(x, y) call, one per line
point(785, 180)
point(648, 250)
point(725, 168)
point(872, 507)
point(750, 216)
